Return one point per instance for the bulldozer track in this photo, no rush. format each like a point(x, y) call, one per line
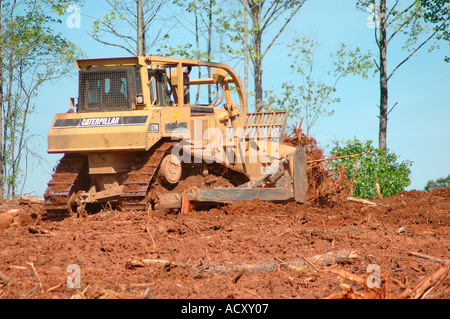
point(145, 168)
point(71, 176)
point(139, 179)
point(62, 186)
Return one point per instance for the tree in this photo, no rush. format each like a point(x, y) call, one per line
point(378, 167)
point(443, 182)
point(263, 14)
point(308, 97)
point(130, 23)
point(419, 28)
point(31, 54)
point(203, 12)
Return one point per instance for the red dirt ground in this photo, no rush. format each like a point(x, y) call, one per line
point(330, 247)
point(226, 252)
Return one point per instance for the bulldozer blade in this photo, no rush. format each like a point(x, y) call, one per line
point(286, 189)
point(224, 196)
point(300, 176)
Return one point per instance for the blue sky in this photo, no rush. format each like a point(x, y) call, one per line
point(418, 128)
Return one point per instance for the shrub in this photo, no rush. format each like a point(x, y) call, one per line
point(382, 167)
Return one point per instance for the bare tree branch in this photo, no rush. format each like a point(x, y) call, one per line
point(399, 15)
point(400, 27)
point(127, 13)
point(281, 30)
point(415, 50)
point(96, 38)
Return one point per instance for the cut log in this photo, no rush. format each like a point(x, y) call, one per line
point(340, 257)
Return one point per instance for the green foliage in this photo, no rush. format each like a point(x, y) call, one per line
point(382, 167)
point(437, 13)
point(311, 98)
point(443, 182)
point(231, 24)
point(59, 6)
point(182, 51)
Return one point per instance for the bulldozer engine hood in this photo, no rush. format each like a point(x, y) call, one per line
point(118, 131)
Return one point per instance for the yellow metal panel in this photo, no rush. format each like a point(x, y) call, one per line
point(155, 128)
point(110, 63)
point(86, 132)
point(110, 162)
point(175, 121)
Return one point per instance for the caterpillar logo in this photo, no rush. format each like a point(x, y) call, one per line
point(100, 121)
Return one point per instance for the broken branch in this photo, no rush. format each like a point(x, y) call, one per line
point(430, 258)
point(354, 177)
point(378, 191)
point(35, 273)
point(360, 200)
point(426, 285)
point(336, 158)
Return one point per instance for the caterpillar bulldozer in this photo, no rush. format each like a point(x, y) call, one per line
point(136, 131)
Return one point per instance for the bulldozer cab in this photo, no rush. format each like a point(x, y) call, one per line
point(160, 92)
point(106, 90)
point(143, 82)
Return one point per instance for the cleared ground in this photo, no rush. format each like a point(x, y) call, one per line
point(245, 250)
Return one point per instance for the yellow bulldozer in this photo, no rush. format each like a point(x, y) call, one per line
point(136, 131)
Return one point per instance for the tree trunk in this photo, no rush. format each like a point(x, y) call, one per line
point(140, 29)
point(209, 49)
point(197, 43)
point(383, 79)
point(246, 50)
point(8, 132)
point(255, 11)
point(257, 66)
point(2, 155)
